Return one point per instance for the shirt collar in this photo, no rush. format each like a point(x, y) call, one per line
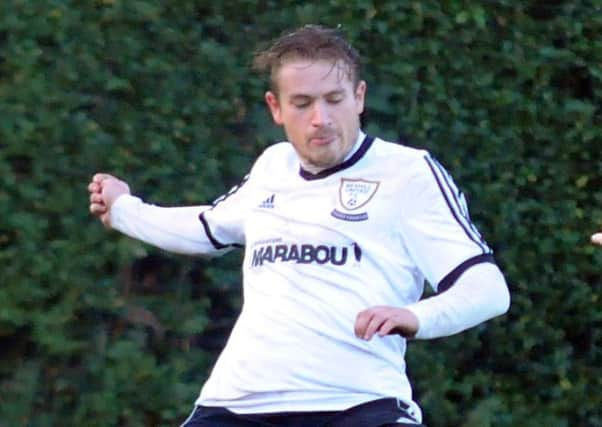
point(360, 147)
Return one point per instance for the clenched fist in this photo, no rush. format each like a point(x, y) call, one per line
point(104, 190)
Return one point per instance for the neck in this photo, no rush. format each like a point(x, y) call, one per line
point(313, 169)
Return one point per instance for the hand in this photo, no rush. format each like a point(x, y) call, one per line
point(597, 239)
point(383, 320)
point(104, 190)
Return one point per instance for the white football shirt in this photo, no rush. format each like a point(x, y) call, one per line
point(318, 250)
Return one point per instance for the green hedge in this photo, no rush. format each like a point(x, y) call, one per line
point(99, 330)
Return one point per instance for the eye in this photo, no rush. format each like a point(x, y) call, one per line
point(301, 105)
point(334, 99)
point(301, 102)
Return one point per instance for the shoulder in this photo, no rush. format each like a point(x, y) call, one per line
point(277, 158)
point(415, 170)
point(397, 152)
point(279, 150)
point(405, 162)
point(280, 155)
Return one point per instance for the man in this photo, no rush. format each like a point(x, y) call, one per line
point(340, 231)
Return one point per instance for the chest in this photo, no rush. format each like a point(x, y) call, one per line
point(337, 210)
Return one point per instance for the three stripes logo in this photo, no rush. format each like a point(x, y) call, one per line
point(456, 202)
point(268, 203)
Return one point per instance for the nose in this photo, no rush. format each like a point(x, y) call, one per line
point(320, 115)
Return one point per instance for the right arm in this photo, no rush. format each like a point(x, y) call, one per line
point(174, 229)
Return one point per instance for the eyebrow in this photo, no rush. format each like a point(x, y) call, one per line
point(303, 97)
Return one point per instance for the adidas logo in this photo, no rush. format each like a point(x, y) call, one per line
point(268, 203)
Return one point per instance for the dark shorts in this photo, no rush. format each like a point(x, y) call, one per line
point(376, 413)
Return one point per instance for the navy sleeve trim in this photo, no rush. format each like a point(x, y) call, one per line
point(449, 280)
point(232, 191)
point(216, 243)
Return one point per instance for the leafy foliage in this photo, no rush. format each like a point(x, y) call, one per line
point(99, 330)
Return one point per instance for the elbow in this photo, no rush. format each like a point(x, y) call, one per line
point(502, 300)
point(505, 304)
point(499, 293)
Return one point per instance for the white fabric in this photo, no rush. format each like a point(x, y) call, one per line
point(479, 294)
point(176, 229)
point(318, 251)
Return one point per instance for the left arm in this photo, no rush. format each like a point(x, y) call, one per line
point(479, 294)
point(448, 250)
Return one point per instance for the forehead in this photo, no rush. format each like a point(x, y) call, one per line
point(305, 76)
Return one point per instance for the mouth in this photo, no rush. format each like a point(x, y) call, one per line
point(321, 139)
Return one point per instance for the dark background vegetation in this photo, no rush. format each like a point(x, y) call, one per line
point(100, 330)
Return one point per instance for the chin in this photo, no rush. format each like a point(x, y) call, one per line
point(326, 163)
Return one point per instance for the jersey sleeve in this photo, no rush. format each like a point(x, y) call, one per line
point(478, 295)
point(174, 229)
point(194, 230)
point(224, 221)
point(436, 227)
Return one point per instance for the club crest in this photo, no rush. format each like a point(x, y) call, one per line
point(355, 193)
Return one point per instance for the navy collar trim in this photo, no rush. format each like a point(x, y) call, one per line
point(366, 143)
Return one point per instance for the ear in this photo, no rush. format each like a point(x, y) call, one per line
point(360, 96)
point(272, 100)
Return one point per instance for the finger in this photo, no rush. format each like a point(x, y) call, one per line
point(93, 187)
point(97, 209)
point(96, 198)
point(100, 177)
point(375, 323)
point(597, 239)
point(361, 322)
point(387, 328)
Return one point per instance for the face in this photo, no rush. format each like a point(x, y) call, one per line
point(319, 108)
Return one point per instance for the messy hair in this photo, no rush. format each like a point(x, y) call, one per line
point(312, 42)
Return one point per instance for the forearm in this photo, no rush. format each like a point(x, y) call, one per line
point(478, 295)
point(174, 229)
